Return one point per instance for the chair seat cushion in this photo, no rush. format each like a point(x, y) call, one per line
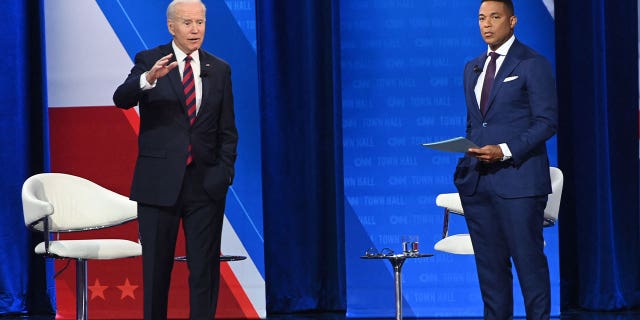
point(100, 249)
point(457, 244)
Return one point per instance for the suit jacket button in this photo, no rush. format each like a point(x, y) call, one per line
point(484, 124)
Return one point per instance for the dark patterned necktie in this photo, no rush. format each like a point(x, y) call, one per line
point(190, 94)
point(488, 82)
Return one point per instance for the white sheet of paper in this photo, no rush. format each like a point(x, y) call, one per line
point(458, 144)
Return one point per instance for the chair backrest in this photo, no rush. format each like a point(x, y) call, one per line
point(452, 202)
point(552, 210)
point(72, 203)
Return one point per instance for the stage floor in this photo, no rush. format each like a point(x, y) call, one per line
point(633, 315)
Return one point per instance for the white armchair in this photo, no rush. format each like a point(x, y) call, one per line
point(56, 202)
point(461, 243)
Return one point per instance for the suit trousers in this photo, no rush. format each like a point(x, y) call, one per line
point(202, 220)
point(503, 230)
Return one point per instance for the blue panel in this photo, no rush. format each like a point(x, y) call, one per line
point(245, 13)
point(402, 65)
point(142, 24)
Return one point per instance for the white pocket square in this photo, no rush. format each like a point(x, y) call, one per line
point(507, 79)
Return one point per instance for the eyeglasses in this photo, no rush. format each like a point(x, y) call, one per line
point(373, 252)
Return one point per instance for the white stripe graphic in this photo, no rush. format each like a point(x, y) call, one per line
point(550, 7)
point(246, 272)
point(85, 59)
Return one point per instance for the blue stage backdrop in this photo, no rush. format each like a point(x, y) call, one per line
point(402, 65)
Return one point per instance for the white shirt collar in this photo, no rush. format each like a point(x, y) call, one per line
point(181, 55)
point(504, 48)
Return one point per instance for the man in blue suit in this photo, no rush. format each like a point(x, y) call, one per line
point(186, 155)
point(511, 112)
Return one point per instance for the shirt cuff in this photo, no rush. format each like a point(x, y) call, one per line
point(506, 153)
point(144, 84)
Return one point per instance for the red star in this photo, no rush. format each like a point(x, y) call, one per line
point(127, 290)
point(97, 290)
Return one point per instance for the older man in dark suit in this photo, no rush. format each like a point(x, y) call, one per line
point(187, 150)
point(511, 112)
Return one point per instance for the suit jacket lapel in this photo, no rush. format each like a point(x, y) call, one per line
point(175, 82)
point(473, 80)
point(510, 62)
point(205, 71)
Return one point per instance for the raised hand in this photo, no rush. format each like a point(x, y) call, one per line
point(161, 68)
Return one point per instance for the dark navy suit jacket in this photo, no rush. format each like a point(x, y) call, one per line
point(165, 132)
point(522, 112)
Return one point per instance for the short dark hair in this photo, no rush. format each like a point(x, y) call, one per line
point(507, 3)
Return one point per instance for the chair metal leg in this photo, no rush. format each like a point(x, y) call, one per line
point(445, 225)
point(81, 290)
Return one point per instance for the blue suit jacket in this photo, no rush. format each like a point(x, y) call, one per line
point(165, 131)
point(522, 112)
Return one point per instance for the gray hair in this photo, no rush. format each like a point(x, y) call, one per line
point(171, 9)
